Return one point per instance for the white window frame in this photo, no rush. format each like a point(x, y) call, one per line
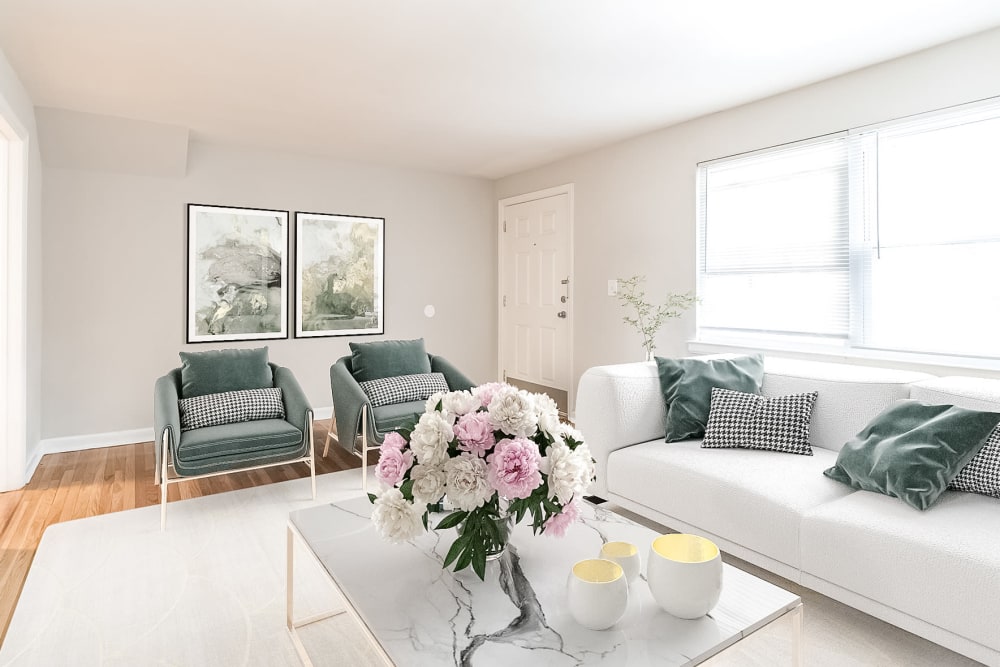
point(862, 203)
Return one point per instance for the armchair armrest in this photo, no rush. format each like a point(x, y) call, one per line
point(348, 399)
point(297, 409)
point(457, 380)
point(166, 413)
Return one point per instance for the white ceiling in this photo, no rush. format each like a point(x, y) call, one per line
point(478, 87)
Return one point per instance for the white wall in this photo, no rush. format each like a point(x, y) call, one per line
point(18, 110)
point(635, 200)
point(115, 270)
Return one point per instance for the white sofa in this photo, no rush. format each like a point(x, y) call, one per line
point(935, 573)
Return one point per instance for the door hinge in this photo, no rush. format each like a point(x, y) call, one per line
point(505, 300)
point(504, 226)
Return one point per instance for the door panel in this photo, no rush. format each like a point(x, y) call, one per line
point(535, 278)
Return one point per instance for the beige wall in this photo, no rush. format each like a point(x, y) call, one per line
point(635, 200)
point(17, 109)
point(115, 270)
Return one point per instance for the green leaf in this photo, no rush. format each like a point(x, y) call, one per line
point(371, 498)
point(479, 563)
point(424, 519)
point(493, 531)
point(406, 488)
point(452, 520)
point(466, 557)
point(456, 548)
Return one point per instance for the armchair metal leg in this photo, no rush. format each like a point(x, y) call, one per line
point(364, 448)
point(329, 437)
point(312, 455)
point(163, 482)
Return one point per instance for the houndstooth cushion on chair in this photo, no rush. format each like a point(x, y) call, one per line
point(403, 388)
point(982, 474)
point(750, 421)
point(230, 407)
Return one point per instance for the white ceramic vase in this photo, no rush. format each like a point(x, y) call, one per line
point(684, 574)
point(597, 593)
point(625, 554)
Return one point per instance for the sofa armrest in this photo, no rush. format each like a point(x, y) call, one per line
point(298, 412)
point(457, 380)
point(166, 413)
point(618, 406)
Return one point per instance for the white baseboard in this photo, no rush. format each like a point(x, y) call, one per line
point(76, 443)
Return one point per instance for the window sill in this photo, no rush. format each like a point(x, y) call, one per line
point(928, 363)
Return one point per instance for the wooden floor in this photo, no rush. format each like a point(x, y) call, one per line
point(75, 485)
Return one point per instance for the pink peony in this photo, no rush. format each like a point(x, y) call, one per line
point(513, 467)
point(475, 433)
point(558, 524)
point(486, 392)
point(392, 465)
point(393, 440)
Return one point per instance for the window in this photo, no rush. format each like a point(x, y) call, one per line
point(880, 238)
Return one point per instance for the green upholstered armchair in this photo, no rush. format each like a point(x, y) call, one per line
point(211, 450)
point(353, 411)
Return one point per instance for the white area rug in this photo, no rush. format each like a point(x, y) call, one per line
point(210, 590)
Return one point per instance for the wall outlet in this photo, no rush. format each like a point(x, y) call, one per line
point(612, 288)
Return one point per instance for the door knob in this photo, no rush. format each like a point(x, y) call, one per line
point(561, 313)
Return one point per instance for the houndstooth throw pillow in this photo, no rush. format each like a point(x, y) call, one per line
point(982, 474)
point(749, 421)
point(403, 388)
point(230, 407)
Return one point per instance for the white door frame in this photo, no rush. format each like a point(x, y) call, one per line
point(566, 189)
point(13, 312)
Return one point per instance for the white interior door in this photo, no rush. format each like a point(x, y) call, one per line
point(536, 306)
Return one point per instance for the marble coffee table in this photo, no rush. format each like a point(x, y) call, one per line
point(414, 612)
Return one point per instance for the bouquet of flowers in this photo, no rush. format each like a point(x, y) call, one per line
point(499, 453)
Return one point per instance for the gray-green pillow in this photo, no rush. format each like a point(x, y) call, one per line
point(216, 371)
point(687, 388)
point(388, 358)
point(912, 450)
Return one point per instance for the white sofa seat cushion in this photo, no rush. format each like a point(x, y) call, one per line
point(941, 565)
point(849, 396)
point(754, 498)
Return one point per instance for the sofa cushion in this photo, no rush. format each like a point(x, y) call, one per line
point(397, 415)
point(687, 388)
point(230, 407)
point(403, 388)
point(754, 498)
point(232, 446)
point(941, 565)
point(982, 473)
point(385, 358)
point(849, 395)
point(217, 371)
point(913, 450)
point(779, 423)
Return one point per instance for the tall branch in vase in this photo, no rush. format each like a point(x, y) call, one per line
point(645, 317)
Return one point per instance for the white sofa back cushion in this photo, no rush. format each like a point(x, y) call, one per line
point(965, 392)
point(849, 396)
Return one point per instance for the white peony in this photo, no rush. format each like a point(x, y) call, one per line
point(548, 414)
point(395, 518)
point(428, 483)
point(460, 403)
point(567, 431)
point(433, 400)
point(430, 438)
point(569, 471)
point(467, 485)
point(513, 411)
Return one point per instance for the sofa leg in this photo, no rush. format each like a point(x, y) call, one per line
point(329, 437)
point(364, 449)
point(312, 455)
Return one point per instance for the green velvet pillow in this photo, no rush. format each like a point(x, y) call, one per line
point(912, 450)
point(388, 358)
point(687, 388)
point(217, 371)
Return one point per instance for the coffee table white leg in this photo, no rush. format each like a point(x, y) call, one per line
point(798, 640)
point(292, 624)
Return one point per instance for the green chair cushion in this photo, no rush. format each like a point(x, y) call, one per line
point(236, 462)
point(241, 439)
point(216, 371)
point(390, 417)
point(912, 450)
point(388, 358)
